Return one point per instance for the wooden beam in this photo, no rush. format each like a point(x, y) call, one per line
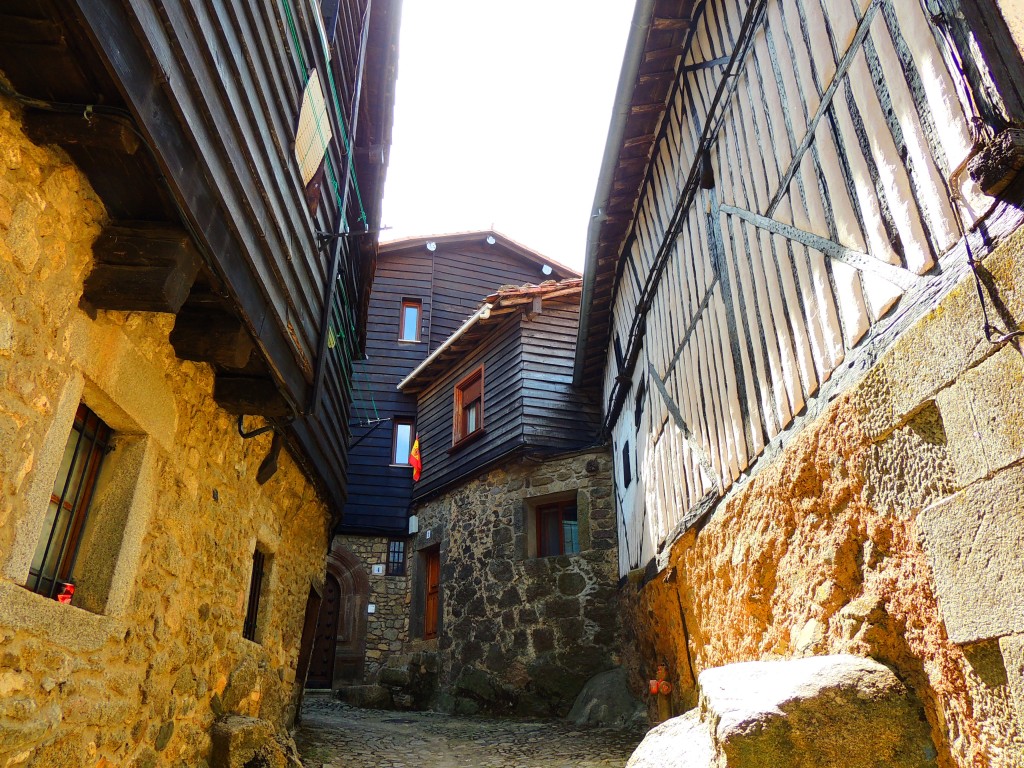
point(211, 335)
point(144, 267)
point(249, 396)
point(662, 25)
point(898, 276)
point(66, 129)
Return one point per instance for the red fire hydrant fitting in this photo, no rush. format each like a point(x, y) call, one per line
point(662, 688)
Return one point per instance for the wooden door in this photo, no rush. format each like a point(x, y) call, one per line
point(351, 637)
point(321, 664)
point(432, 586)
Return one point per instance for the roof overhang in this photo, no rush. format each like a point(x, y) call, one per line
point(658, 38)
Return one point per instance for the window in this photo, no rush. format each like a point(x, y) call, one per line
point(627, 473)
point(469, 406)
point(53, 565)
point(401, 440)
point(396, 558)
point(558, 529)
point(638, 413)
point(252, 611)
point(409, 320)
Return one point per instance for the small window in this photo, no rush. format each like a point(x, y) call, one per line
point(627, 470)
point(401, 441)
point(252, 611)
point(558, 530)
point(469, 406)
point(409, 321)
point(396, 558)
point(53, 566)
point(638, 413)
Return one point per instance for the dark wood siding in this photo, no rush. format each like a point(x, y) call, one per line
point(378, 492)
point(213, 91)
point(469, 272)
point(500, 353)
point(452, 282)
point(556, 416)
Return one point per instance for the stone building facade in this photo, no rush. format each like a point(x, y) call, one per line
point(520, 633)
point(150, 651)
point(387, 627)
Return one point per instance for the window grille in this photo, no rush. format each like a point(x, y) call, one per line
point(53, 565)
point(396, 558)
point(255, 587)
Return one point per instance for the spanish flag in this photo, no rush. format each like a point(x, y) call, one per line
point(414, 459)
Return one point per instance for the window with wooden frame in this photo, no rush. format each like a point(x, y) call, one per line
point(53, 565)
point(469, 407)
point(396, 558)
point(558, 529)
point(409, 320)
point(401, 440)
point(252, 610)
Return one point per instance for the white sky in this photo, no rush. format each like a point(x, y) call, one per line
point(501, 116)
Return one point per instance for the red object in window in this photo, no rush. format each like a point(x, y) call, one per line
point(67, 591)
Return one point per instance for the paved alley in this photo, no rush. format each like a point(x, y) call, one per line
point(335, 734)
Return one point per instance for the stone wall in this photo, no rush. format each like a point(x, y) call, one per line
point(387, 628)
point(139, 679)
point(891, 528)
point(520, 633)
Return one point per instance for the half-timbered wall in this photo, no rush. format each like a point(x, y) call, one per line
point(835, 136)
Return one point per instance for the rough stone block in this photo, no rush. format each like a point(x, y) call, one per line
point(973, 542)
point(366, 696)
point(820, 712)
point(607, 702)
point(245, 742)
point(681, 741)
point(1012, 649)
point(911, 468)
point(949, 338)
point(984, 416)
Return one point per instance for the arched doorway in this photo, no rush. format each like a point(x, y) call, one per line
point(340, 645)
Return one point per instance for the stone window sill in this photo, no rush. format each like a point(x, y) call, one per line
point(73, 628)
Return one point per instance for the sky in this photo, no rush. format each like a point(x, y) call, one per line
point(501, 115)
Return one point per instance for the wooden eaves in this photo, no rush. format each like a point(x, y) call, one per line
point(658, 37)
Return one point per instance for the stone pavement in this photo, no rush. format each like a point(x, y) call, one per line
point(335, 735)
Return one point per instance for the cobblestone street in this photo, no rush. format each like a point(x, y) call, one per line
point(334, 734)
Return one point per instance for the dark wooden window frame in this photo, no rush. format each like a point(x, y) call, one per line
point(91, 446)
point(396, 558)
point(395, 423)
point(252, 611)
point(555, 509)
point(460, 427)
point(416, 304)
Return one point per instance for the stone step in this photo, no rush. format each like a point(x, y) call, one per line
point(820, 712)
